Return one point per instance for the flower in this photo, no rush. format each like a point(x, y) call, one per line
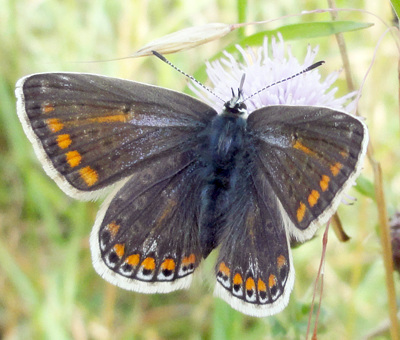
point(265, 66)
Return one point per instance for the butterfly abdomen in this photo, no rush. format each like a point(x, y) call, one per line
point(224, 151)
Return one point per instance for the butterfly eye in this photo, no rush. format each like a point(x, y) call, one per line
point(242, 108)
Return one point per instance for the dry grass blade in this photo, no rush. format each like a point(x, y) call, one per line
point(184, 39)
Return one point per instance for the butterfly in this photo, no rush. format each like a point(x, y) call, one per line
point(187, 179)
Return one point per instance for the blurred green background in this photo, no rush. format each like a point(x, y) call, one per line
point(48, 286)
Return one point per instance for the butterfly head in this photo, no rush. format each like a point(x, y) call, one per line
point(236, 106)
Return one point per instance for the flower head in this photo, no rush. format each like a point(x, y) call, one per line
point(266, 65)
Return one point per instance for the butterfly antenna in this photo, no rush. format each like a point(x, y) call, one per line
point(309, 68)
point(165, 60)
point(241, 85)
point(240, 89)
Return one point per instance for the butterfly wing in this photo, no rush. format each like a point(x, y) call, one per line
point(145, 237)
point(310, 156)
point(254, 269)
point(91, 131)
point(300, 160)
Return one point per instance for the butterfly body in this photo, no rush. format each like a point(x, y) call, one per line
point(222, 157)
point(188, 180)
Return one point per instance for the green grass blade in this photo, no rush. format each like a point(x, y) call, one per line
point(396, 7)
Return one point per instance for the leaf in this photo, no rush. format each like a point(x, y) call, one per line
point(306, 31)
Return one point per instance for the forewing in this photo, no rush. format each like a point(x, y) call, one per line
point(145, 237)
point(309, 155)
point(91, 131)
point(254, 270)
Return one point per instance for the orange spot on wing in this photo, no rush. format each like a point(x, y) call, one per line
point(63, 141)
point(324, 183)
point(189, 260)
point(301, 212)
point(250, 284)
point(109, 119)
point(149, 263)
point(261, 285)
point(54, 124)
point(113, 228)
point(344, 154)
point(47, 108)
point(89, 175)
point(73, 158)
point(313, 198)
point(168, 264)
point(224, 269)
point(299, 146)
point(119, 250)
point(281, 261)
point(335, 168)
point(271, 281)
point(237, 279)
point(133, 260)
